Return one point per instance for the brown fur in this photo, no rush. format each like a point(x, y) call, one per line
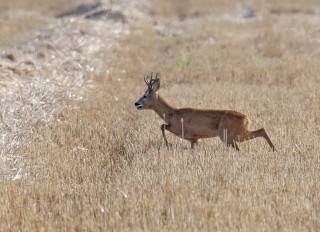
point(231, 126)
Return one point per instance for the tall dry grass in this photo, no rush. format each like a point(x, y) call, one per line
point(101, 165)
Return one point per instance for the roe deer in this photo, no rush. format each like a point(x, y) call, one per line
point(193, 124)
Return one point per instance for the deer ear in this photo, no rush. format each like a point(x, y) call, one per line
point(156, 85)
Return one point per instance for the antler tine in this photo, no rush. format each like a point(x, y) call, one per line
point(157, 76)
point(146, 79)
point(151, 79)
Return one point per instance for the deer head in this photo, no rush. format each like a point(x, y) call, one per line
point(151, 95)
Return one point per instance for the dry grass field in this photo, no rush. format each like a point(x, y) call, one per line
point(76, 155)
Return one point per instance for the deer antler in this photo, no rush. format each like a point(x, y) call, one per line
point(146, 79)
point(151, 80)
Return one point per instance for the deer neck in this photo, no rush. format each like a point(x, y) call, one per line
point(163, 108)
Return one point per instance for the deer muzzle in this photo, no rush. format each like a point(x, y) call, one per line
point(138, 105)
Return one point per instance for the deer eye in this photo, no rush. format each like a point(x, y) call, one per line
point(144, 96)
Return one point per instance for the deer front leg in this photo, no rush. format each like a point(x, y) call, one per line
point(163, 128)
point(194, 143)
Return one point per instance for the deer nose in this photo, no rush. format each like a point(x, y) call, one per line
point(136, 104)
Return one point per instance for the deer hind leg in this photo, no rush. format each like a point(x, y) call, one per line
point(234, 145)
point(259, 133)
point(163, 128)
point(227, 137)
